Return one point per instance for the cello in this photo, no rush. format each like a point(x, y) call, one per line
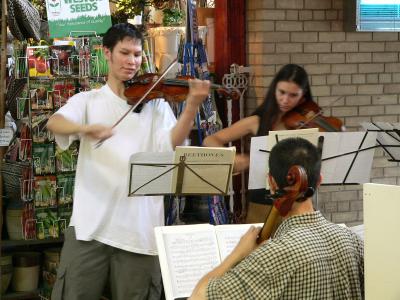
point(283, 199)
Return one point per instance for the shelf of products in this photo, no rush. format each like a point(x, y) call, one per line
point(22, 295)
point(6, 244)
point(38, 175)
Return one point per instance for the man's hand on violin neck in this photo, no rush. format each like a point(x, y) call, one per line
point(198, 91)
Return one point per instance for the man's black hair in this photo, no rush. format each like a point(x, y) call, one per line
point(294, 151)
point(118, 32)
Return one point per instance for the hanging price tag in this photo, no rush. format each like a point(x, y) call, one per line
point(6, 135)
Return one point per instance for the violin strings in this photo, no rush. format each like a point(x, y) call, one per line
point(181, 82)
point(100, 142)
point(321, 112)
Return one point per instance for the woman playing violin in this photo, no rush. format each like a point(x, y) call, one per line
point(289, 88)
point(110, 233)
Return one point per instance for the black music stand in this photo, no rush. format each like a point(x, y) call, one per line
point(388, 137)
point(346, 157)
point(169, 173)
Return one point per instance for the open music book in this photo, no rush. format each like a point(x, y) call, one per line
point(188, 170)
point(188, 252)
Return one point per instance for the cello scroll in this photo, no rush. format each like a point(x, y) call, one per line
point(297, 189)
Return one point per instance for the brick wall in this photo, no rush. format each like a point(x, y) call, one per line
point(364, 67)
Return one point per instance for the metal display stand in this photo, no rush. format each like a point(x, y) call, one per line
point(3, 62)
point(237, 80)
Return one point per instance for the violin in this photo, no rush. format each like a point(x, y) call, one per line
point(309, 115)
point(172, 90)
point(283, 200)
point(150, 87)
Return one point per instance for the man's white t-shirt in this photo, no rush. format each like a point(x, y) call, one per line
point(102, 210)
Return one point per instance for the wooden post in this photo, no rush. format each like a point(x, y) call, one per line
point(3, 62)
point(230, 37)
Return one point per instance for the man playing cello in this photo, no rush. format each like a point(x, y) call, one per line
point(307, 258)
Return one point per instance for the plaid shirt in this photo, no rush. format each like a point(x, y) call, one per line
point(308, 258)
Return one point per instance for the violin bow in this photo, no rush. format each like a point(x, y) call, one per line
point(320, 112)
point(100, 142)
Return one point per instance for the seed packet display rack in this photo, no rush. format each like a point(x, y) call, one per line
point(38, 176)
point(45, 178)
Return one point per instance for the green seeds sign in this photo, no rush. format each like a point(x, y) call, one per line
point(78, 17)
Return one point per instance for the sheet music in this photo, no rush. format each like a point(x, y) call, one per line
point(206, 171)
point(258, 162)
point(309, 134)
point(386, 139)
point(190, 255)
point(359, 230)
point(228, 236)
point(337, 165)
point(347, 168)
point(142, 174)
point(259, 159)
point(209, 165)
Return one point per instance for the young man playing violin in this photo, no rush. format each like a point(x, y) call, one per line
point(307, 258)
point(111, 235)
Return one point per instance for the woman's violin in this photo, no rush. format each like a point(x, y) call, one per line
point(309, 115)
point(297, 189)
point(172, 90)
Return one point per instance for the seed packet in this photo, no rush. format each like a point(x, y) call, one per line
point(41, 94)
point(43, 157)
point(21, 69)
point(23, 103)
point(83, 51)
point(38, 61)
point(27, 193)
point(46, 223)
point(28, 221)
point(98, 62)
point(83, 85)
point(64, 217)
point(45, 191)
point(97, 83)
point(40, 134)
point(64, 60)
point(63, 89)
point(65, 188)
point(25, 147)
point(66, 160)
point(50, 266)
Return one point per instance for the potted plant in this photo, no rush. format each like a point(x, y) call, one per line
point(172, 17)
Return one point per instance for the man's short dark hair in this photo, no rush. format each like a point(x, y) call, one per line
point(118, 32)
point(294, 151)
